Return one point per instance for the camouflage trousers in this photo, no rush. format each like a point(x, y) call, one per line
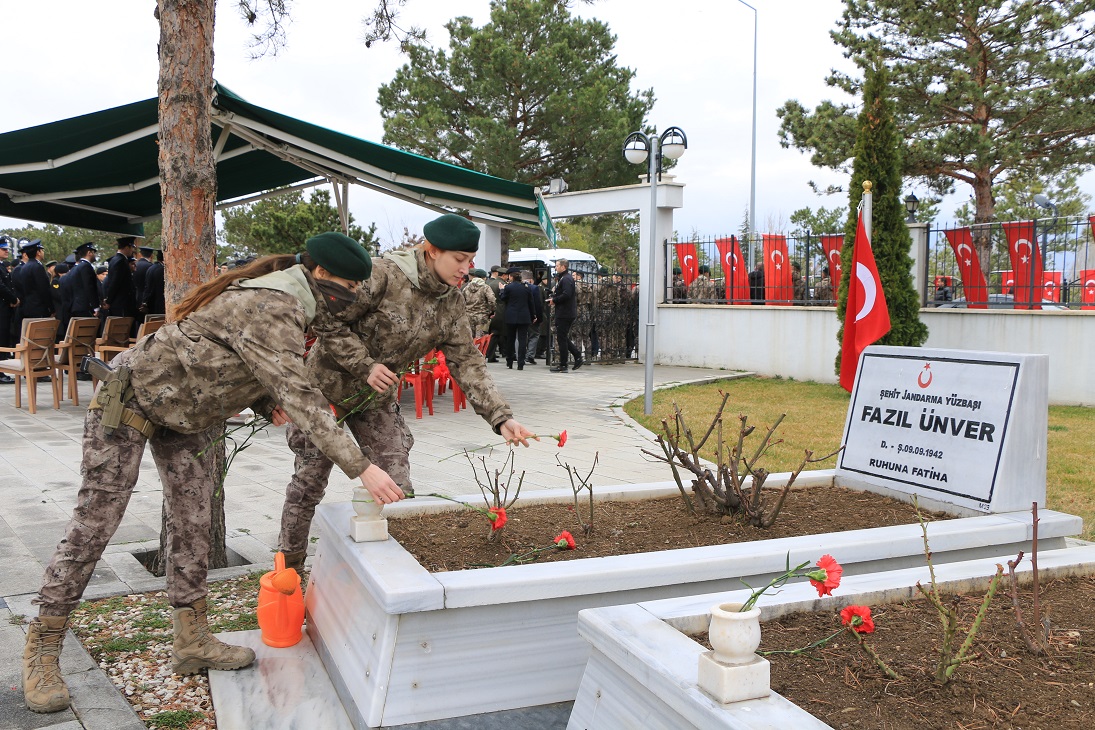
point(383, 437)
point(110, 469)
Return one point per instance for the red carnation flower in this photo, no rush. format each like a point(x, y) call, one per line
point(859, 618)
point(497, 518)
point(562, 439)
point(831, 578)
point(564, 541)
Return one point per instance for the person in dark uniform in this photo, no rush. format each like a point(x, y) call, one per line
point(119, 294)
point(518, 316)
point(60, 311)
point(153, 301)
point(565, 301)
point(144, 262)
point(84, 284)
point(32, 286)
point(8, 301)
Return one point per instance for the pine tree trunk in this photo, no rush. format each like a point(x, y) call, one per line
point(984, 212)
point(188, 174)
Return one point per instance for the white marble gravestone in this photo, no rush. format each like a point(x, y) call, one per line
point(957, 428)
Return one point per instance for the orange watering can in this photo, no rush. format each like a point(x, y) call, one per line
point(281, 605)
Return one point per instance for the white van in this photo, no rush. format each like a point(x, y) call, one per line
point(537, 259)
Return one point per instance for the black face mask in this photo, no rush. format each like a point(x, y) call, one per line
point(337, 296)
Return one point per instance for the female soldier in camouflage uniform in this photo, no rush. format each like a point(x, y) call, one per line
point(239, 342)
point(410, 306)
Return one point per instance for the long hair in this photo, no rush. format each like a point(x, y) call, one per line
point(202, 294)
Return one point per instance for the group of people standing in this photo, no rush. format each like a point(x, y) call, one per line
point(131, 284)
point(519, 310)
point(238, 341)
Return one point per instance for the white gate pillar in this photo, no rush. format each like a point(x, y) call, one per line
point(629, 199)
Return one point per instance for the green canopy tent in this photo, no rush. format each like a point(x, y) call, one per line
point(100, 170)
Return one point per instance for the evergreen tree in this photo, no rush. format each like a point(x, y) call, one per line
point(283, 223)
point(533, 94)
point(877, 159)
point(984, 90)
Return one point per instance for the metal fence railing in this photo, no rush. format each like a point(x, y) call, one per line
point(1035, 264)
point(788, 270)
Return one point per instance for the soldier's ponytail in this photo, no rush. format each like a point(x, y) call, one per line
point(202, 294)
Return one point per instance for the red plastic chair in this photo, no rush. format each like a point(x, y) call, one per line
point(444, 380)
point(422, 382)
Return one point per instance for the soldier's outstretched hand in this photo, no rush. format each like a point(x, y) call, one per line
point(380, 486)
point(514, 433)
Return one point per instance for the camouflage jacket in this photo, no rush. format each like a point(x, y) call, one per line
point(401, 313)
point(479, 300)
point(243, 349)
point(702, 289)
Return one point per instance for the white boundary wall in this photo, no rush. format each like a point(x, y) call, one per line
point(800, 342)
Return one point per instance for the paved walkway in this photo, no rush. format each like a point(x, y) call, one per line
point(39, 478)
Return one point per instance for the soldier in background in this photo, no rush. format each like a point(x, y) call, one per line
point(581, 332)
point(823, 292)
point(702, 290)
point(798, 285)
point(479, 299)
point(680, 291)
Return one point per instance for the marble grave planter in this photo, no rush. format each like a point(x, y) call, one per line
point(403, 645)
point(643, 666)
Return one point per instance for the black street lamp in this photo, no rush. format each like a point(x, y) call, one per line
point(912, 204)
point(639, 148)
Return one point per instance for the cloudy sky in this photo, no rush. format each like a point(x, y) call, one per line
point(65, 58)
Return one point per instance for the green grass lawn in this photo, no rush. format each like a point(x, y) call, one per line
point(815, 420)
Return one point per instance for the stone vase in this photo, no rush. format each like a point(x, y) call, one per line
point(734, 634)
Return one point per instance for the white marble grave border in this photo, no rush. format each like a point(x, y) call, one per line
point(403, 645)
point(643, 665)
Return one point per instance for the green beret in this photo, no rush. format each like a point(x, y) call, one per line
point(479, 273)
point(452, 232)
point(340, 255)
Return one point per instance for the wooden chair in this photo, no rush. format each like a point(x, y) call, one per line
point(147, 328)
point(115, 334)
point(79, 341)
point(33, 360)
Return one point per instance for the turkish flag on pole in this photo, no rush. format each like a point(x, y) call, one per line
point(969, 268)
point(1087, 281)
point(690, 267)
point(866, 318)
point(831, 243)
point(1051, 286)
point(778, 288)
point(735, 275)
point(1026, 262)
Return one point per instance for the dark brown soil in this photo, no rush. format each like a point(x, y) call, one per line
point(1006, 686)
point(456, 540)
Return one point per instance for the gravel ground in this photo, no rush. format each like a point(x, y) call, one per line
point(130, 637)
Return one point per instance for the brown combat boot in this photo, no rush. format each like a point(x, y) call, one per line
point(295, 559)
point(195, 648)
point(44, 689)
